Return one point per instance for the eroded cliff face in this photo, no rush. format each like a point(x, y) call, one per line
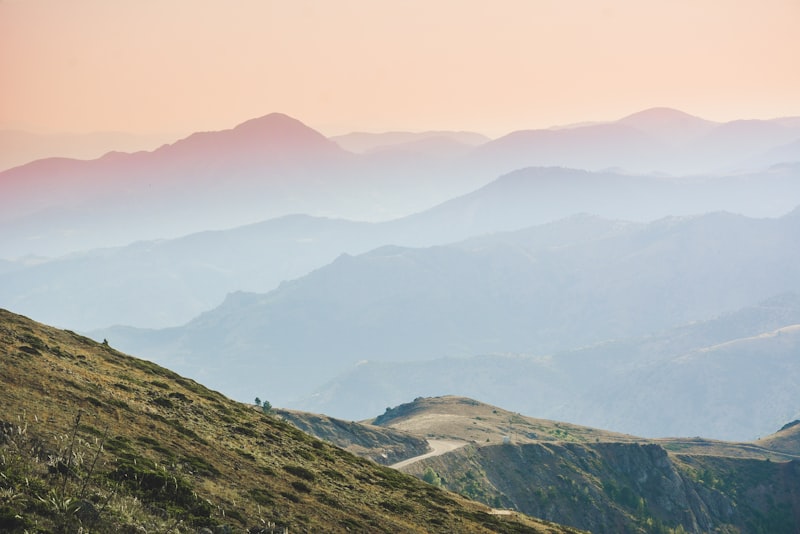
point(626, 487)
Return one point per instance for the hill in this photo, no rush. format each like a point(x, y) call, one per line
point(462, 418)
point(787, 439)
point(600, 481)
point(95, 439)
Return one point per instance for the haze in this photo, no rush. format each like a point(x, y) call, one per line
point(178, 66)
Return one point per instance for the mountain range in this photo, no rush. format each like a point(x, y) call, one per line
point(638, 275)
point(537, 292)
point(165, 283)
point(275, 165)
point(729, 378)
point(489, 258)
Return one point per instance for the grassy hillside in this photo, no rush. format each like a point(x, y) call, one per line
point(454, 417)
point(96, 441)
point(606, 482)
point(787, 439)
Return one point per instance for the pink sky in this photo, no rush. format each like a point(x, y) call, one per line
point(177, 66)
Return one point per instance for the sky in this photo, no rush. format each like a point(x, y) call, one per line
point(164, 66)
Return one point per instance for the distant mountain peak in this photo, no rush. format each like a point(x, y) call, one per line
point(660, 113)
point(279, 127)
point(668, 123)
point(272, 121)
point(274, 133)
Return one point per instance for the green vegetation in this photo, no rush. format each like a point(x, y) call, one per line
point(431, 477)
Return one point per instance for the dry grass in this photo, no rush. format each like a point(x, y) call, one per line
point(453, 417)
point(95, 441)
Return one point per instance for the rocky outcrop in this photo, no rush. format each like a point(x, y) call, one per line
point(626, 487)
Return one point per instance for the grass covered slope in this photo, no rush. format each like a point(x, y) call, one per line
point(787, 439)
point(462, 418)
point(95, 439)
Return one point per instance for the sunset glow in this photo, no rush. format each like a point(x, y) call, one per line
point(178, 66)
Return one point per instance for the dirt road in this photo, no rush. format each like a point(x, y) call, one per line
point(438, 446)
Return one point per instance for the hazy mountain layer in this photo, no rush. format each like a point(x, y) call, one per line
point(169, 282)
point(275, 165)
point(522, 292)
point(728, 378)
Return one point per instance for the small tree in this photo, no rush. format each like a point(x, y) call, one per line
point(258, 401)
point(266, 407)
point(431, 477)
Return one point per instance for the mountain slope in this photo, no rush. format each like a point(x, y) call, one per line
point(93, 438)
point(787, 439)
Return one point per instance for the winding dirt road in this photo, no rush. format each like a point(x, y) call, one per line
point(438, 446)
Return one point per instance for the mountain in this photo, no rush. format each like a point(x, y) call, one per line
point(275, 165)
point(731, 377)
point(540, 195)
point(261, 169)
point(538, 291)
point(669, 125)
point(787, 439)
point(94, 439)
point(594, 147)
point(189, 163)
point(600, 481)
point(658, 140)
point(168, 282)
point(186, 276)
point(782, 153)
